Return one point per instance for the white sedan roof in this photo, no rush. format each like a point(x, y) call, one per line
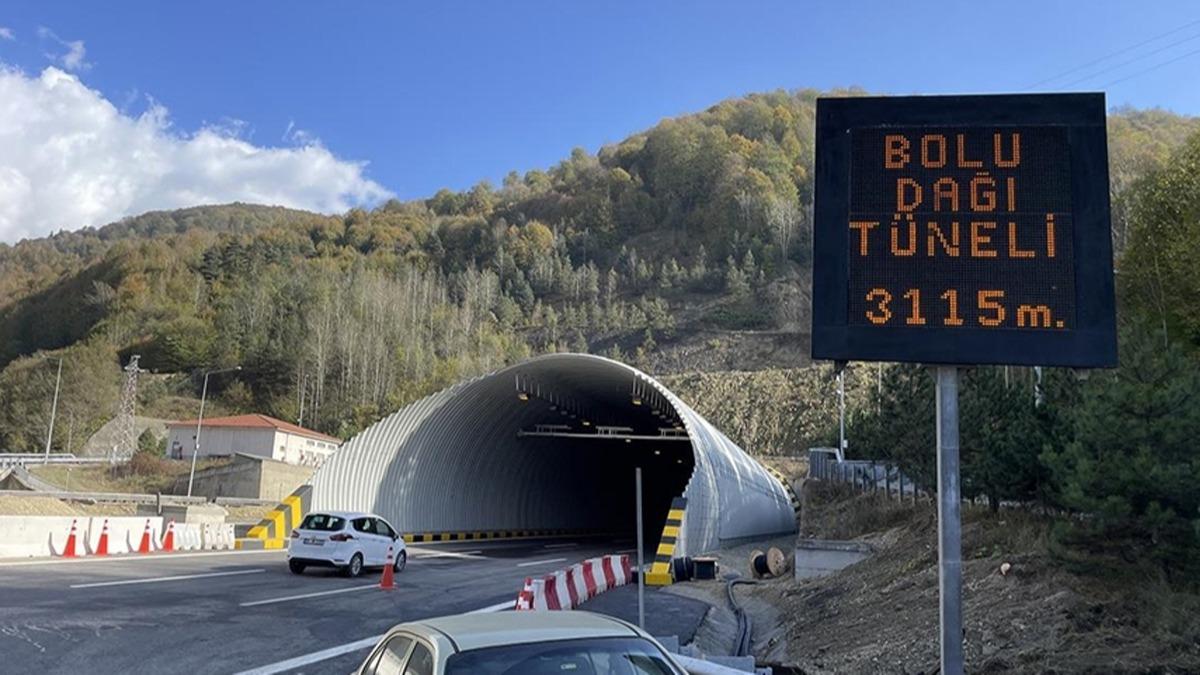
point(348, 515)
point(478, 631)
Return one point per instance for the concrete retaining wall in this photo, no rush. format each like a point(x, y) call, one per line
point(820, 557)
point(249, 478)
point(278, 479)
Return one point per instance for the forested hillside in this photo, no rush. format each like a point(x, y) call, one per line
point(684, 247)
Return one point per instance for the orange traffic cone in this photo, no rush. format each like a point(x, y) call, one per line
point(525, 597)
point(388, 582)
point(102, 546)
point(144, 546)
point(168, 543)
point(69, 549)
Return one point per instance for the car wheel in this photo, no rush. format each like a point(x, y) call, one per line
point(296, 566)
point(355, 567)
point(401, 561)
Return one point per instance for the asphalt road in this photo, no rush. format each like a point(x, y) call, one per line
point(228, 612)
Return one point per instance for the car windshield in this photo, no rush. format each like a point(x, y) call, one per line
point(322, 522)
point(590, 656)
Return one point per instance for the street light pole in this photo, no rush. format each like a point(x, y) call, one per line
point(199, 422)
point(53, 409)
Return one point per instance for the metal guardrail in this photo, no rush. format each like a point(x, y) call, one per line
point(168, 500)
point(27, 458)
point(863, 475)
point(244, 501)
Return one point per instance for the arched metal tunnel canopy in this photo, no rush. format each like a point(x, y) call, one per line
point(551, 443)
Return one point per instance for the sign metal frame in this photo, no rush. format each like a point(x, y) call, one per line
point(1091, 342)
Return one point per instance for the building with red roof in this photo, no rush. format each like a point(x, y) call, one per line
point(259, 435)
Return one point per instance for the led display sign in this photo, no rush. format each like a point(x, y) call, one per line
point(963, 230)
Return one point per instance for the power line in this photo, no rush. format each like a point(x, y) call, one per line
point(1155, 67)
point(1112, 54)
point(1133, 60)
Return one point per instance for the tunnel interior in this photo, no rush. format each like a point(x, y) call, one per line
point(551, 444)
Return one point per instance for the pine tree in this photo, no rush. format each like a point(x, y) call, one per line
point(735, 279)
point(1132, 466)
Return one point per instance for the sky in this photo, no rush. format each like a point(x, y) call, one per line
point(112, 109)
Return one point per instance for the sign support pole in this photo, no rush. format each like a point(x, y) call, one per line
point(641, 569)
point(949, 522)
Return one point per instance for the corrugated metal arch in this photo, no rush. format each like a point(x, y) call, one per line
point(454, 461)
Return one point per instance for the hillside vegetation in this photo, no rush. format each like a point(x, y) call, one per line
point(685, 247)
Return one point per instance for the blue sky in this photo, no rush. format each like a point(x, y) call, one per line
point(444, 94)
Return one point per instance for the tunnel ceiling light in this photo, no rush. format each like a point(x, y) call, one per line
point(628, 440)
point(587, 423)
point(658, 452)
point(679, 461)
point(522, 396)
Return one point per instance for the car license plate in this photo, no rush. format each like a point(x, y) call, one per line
point(314, 541)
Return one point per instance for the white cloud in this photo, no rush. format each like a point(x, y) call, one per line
point(72, 159)
point(74, 58)
point(6, 34)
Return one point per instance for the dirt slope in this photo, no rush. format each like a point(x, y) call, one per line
point(881, 616)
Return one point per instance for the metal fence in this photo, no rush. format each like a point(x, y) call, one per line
point(862, 475)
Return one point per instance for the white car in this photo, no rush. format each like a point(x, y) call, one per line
point(519, 643)
point(345, 540)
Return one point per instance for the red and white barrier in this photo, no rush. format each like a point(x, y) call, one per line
point(575, 585)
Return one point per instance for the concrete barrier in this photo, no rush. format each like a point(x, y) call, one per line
point(188, 537)
point(820, 557)
point(33, 536)
point(38, 536)
point(217, 536)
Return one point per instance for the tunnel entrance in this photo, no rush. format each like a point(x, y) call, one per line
point(597, 485)
point(551, 445)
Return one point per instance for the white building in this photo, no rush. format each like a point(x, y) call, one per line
point(258, 435)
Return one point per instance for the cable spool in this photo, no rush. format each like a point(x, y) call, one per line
point(682, 568)
point(770, 564)
point(758, 564)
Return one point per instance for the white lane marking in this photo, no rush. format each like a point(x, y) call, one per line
point(498, 607)
point(333, 652)
point(306, 595)
point(463, 555)
point(541, 562)
point(314, 657)
point(134, 558)
point(155, 580)
point(560, 545)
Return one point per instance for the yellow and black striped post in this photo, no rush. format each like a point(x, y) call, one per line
point(660, 569)
point(787, 488)
point(273, 530)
